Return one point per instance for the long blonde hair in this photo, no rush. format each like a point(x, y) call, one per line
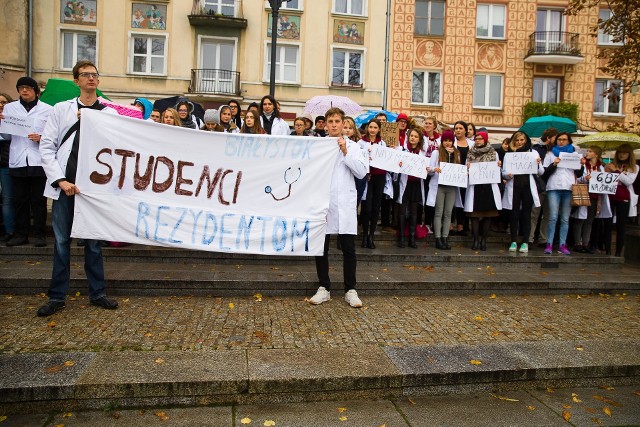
point(630, 163)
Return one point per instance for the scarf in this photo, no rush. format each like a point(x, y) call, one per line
point(569, 148)
point(485, 153)
point(267, 121)
point(72, 163)
point(188, 122)
point(29, 105)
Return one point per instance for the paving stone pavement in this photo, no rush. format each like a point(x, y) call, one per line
point(209, 323)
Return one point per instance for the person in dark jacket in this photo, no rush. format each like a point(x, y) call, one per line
point(6, 184)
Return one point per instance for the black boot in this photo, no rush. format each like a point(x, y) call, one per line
point(412, 240)
point(439, 243)
point(370, 243)
point(412, 231)
point(401, 239)
point(445, 244)
point(365, 234)
point(475, 245)
point(483, 244)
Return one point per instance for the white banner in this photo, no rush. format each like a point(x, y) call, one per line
point(453, 174)
point(603, 182)
point(521, 163)
point(17, 125)
point(484, 173)
point(389, 159)
point(570, 161)
point(148, 183)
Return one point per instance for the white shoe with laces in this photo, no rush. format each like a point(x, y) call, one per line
point(322, 295)
point(352, 299)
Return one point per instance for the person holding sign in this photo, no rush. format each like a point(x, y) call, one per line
point(482, 201)
point(559, 182)
point(443, 197)
point(410, 191)
point(462, 144)
point(521, 193)
point(624, 202)
point(375, 187)
point(25, 164)
point(583, 216)
point(342, 217)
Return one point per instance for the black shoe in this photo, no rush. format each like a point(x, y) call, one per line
point(104, 302)
point(439, 243)
point(364, 242)
point(412, 242)
point(589, 250)
point(370, 243)
point(474, 246)
point(6, 238)
point(17, 241)
point(483, 244)
point(445, 244)
point(51, 307)
point(401, 242)
point(40, 242)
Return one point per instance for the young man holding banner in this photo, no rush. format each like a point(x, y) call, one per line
point(59, 149)
point(342, 217)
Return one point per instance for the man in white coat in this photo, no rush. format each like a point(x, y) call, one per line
point(59, 150)
point(342, 218)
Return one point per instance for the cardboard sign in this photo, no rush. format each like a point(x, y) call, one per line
point(17, 125)
point(453, 174)
point(389, 159)
point(603, 182)
point(390, 133)
point(570, 161)
point(484, 173)
point(521, 163)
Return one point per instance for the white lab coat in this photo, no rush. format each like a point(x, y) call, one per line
point(279, 126)
point(628, 178)
point(507, 198)
point(342, 217)
point(433, 184)
point(24, 152)
point(403, 178)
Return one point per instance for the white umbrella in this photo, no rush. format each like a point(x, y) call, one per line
point(320, 104)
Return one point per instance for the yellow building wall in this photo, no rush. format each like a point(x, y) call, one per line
point(13, 53)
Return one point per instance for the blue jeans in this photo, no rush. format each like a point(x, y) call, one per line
point(559, 202)
point(62, 219)
point(8, 208)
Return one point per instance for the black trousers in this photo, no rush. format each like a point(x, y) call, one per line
point(29, 202)
point(621, 211)
point(371, 205)
point(521, 212)
point(347, 242)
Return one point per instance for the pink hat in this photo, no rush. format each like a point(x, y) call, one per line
point(484, 135)
point(447, 135)
point(402, 116)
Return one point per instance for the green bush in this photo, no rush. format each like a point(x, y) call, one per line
point(562, 109)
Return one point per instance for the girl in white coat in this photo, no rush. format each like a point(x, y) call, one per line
point(375, 187)
point(521, 193)
point(270, 118)
point(463, 145)
point(411, 191)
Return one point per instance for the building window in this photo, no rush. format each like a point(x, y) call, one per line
point(487, 91)
point(604, 38)
point(287, 59)
point(349, 7)
point(222, 7)
point(290, 5)
point(490, 22)
point(546, 90)
point(346, 68)
point(608, 97)
point(429, 18)
point(148, 54)
point(425, 87)
point(77, 46)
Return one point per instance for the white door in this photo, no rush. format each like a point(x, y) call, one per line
point(217, 59)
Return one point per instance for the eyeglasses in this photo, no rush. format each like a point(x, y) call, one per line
point(89, 75)
point(183, 111)
point(4, 102)
point(562, 138)
point(24, 87)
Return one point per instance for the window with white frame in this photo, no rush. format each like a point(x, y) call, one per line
point(349, 7)
point(148, 54)
point(546, 90)
point(347, 67)
point(287, 63)
point(487, 91)
point(76, 46)
point(426, 88)
point(429, 19)
point(608, 97)
point(491, 21)
point(289, 5)
point(604, 38)
point(222, 7)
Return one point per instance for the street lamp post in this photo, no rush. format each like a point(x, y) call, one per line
point(275, 11)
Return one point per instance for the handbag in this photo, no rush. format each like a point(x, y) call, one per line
point(580, 195)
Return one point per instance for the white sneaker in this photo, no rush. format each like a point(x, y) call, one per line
point(322, 295)
point(352, 299)
point(513, 247)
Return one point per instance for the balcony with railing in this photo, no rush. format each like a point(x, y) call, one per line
point(217, 13)
point(215, 82)
point(554, 47)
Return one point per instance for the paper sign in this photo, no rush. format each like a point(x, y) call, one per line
point(570, 161)
point(484, 173)
point(521, 163)
point(16, 125)
point(389, 159)
point(252, 194)
point(390, 133)
point(453, 174)
point(603, 182)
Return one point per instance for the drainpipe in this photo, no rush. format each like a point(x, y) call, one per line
point(386, 57)
point(30, 38)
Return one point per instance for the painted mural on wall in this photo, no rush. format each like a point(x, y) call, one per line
point(351, 32)
point(429, 53)
point(491, 57)
point(78, 12)
point(288, 27)
point(149, 16)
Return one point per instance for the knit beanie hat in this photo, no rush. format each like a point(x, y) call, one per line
point(28, 81)
point(212, 116)
point(484, 135)
point(447, 135)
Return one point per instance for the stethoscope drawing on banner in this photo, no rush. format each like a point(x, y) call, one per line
point(289, 179)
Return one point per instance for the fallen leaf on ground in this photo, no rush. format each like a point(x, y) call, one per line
point(429, 268)
point(162, 415)
point(52, 324)
point(637, 393)
point(159, 361)
point(258, 297)
point(566, 415)
point(607, 411)
point(343, 418)
point(269, 423)
point(410, 267)
point(590, 410)
point(531, 408)
point(492, 296)
point(544, 273)
point(67, 415)
point(245, 421)
point(231, 305)
point(495, 334)
point(596, 420)
point(342, 409)
point(606, 387)
point(116, 415)
point(275, 268)
point(508, 399)
point(2, 418)
point(475, 362)
point(385, 269)
point(261, 335)
point(54, 369)
point(411, 401)
point(125, 300)
point(77, 294)
point(148, 334)
point(69, 363)
point(555, 300)
point(575, 398)
point(608, 401)
point(549, 390)
point(478, 318)
point(566, 406)
point(580, 348)
point(59, 425)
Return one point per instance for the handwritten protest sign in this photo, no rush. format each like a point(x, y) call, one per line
point(389, 159)
point(484, 173)
point(16, 125)
point(210, 191)
point(521, 163)
point(453, 174)
point(570, 161)
point(603, 182)
point(390, 133)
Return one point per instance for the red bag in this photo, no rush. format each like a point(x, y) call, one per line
point(421, 231)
